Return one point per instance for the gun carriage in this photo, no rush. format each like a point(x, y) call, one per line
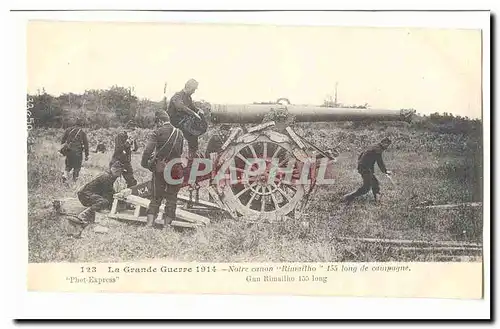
point(265, 170)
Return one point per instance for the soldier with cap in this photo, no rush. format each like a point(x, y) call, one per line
point(218, 139)
point(366, 168)
point(165, 143)
point(123, 152)
point(75, 143)
point(185, 116)
point(97, 194)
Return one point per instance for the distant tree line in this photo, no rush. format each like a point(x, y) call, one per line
point(447, 123)
point(97, 108)
point(113, 107)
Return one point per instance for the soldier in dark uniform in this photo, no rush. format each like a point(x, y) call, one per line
point(166, 142)
point(123, 153)
point(97, 194)
point(214, 145)
point(76, 140)
point(218, 139)
point(180, 108)
point(366, 168)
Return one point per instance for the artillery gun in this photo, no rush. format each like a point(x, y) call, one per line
point(263, 138)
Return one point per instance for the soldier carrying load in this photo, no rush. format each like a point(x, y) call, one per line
point(185, 116)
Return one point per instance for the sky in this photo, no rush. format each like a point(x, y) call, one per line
point(430, 70)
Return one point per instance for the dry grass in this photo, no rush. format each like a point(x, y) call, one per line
point(427, 166)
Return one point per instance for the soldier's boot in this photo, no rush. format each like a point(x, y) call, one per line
point(168, 216)
point(76, 174)
point(348, 198)
point(150, 220)
point(66, 175)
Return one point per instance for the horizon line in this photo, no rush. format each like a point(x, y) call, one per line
point(144, 98)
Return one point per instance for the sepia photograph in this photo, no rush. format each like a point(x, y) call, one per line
point(253, 143)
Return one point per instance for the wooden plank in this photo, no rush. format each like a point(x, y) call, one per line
point(449, 206)
point(200, 202)
point(129, 217)
point(137, 211)
point(261, 126)
point(295, 138)
point(180, 213)
point(468, 249)
point(114, 206)
point(134, 189)
point(231, 137)
point(184, 224)
point(137, 200)
point(158, 220)
point(407, 242)
point(211, 192)
point(191, 217)
point(145, 202)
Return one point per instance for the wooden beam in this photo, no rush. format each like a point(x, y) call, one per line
point(137, 200)
point(413, 242)
point(200, 202)
point(189, 216)
point(295, 138)
point(468, 249)
point(261, 126)
point(231, 137)
point(449, 206)
point(158, 220)
point(137, 211)
point(184, 224)
point(180, 213)
point(114, 206)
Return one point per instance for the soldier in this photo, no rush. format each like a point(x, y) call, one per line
point(185, 116)
point(75, 143)
point(123, 153)
point(101, 147)
point(97, 195)
point(167, 143)
point(215, 142)
point(214, 145)
point(366, 168)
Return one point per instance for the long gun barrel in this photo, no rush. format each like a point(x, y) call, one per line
point(254, 113)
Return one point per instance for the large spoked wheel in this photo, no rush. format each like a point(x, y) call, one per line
point(272, 193)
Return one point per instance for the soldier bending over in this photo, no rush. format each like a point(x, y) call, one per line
point(366, 168)
point(97, 195)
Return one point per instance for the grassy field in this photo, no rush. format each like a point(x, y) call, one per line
point(427, 166)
